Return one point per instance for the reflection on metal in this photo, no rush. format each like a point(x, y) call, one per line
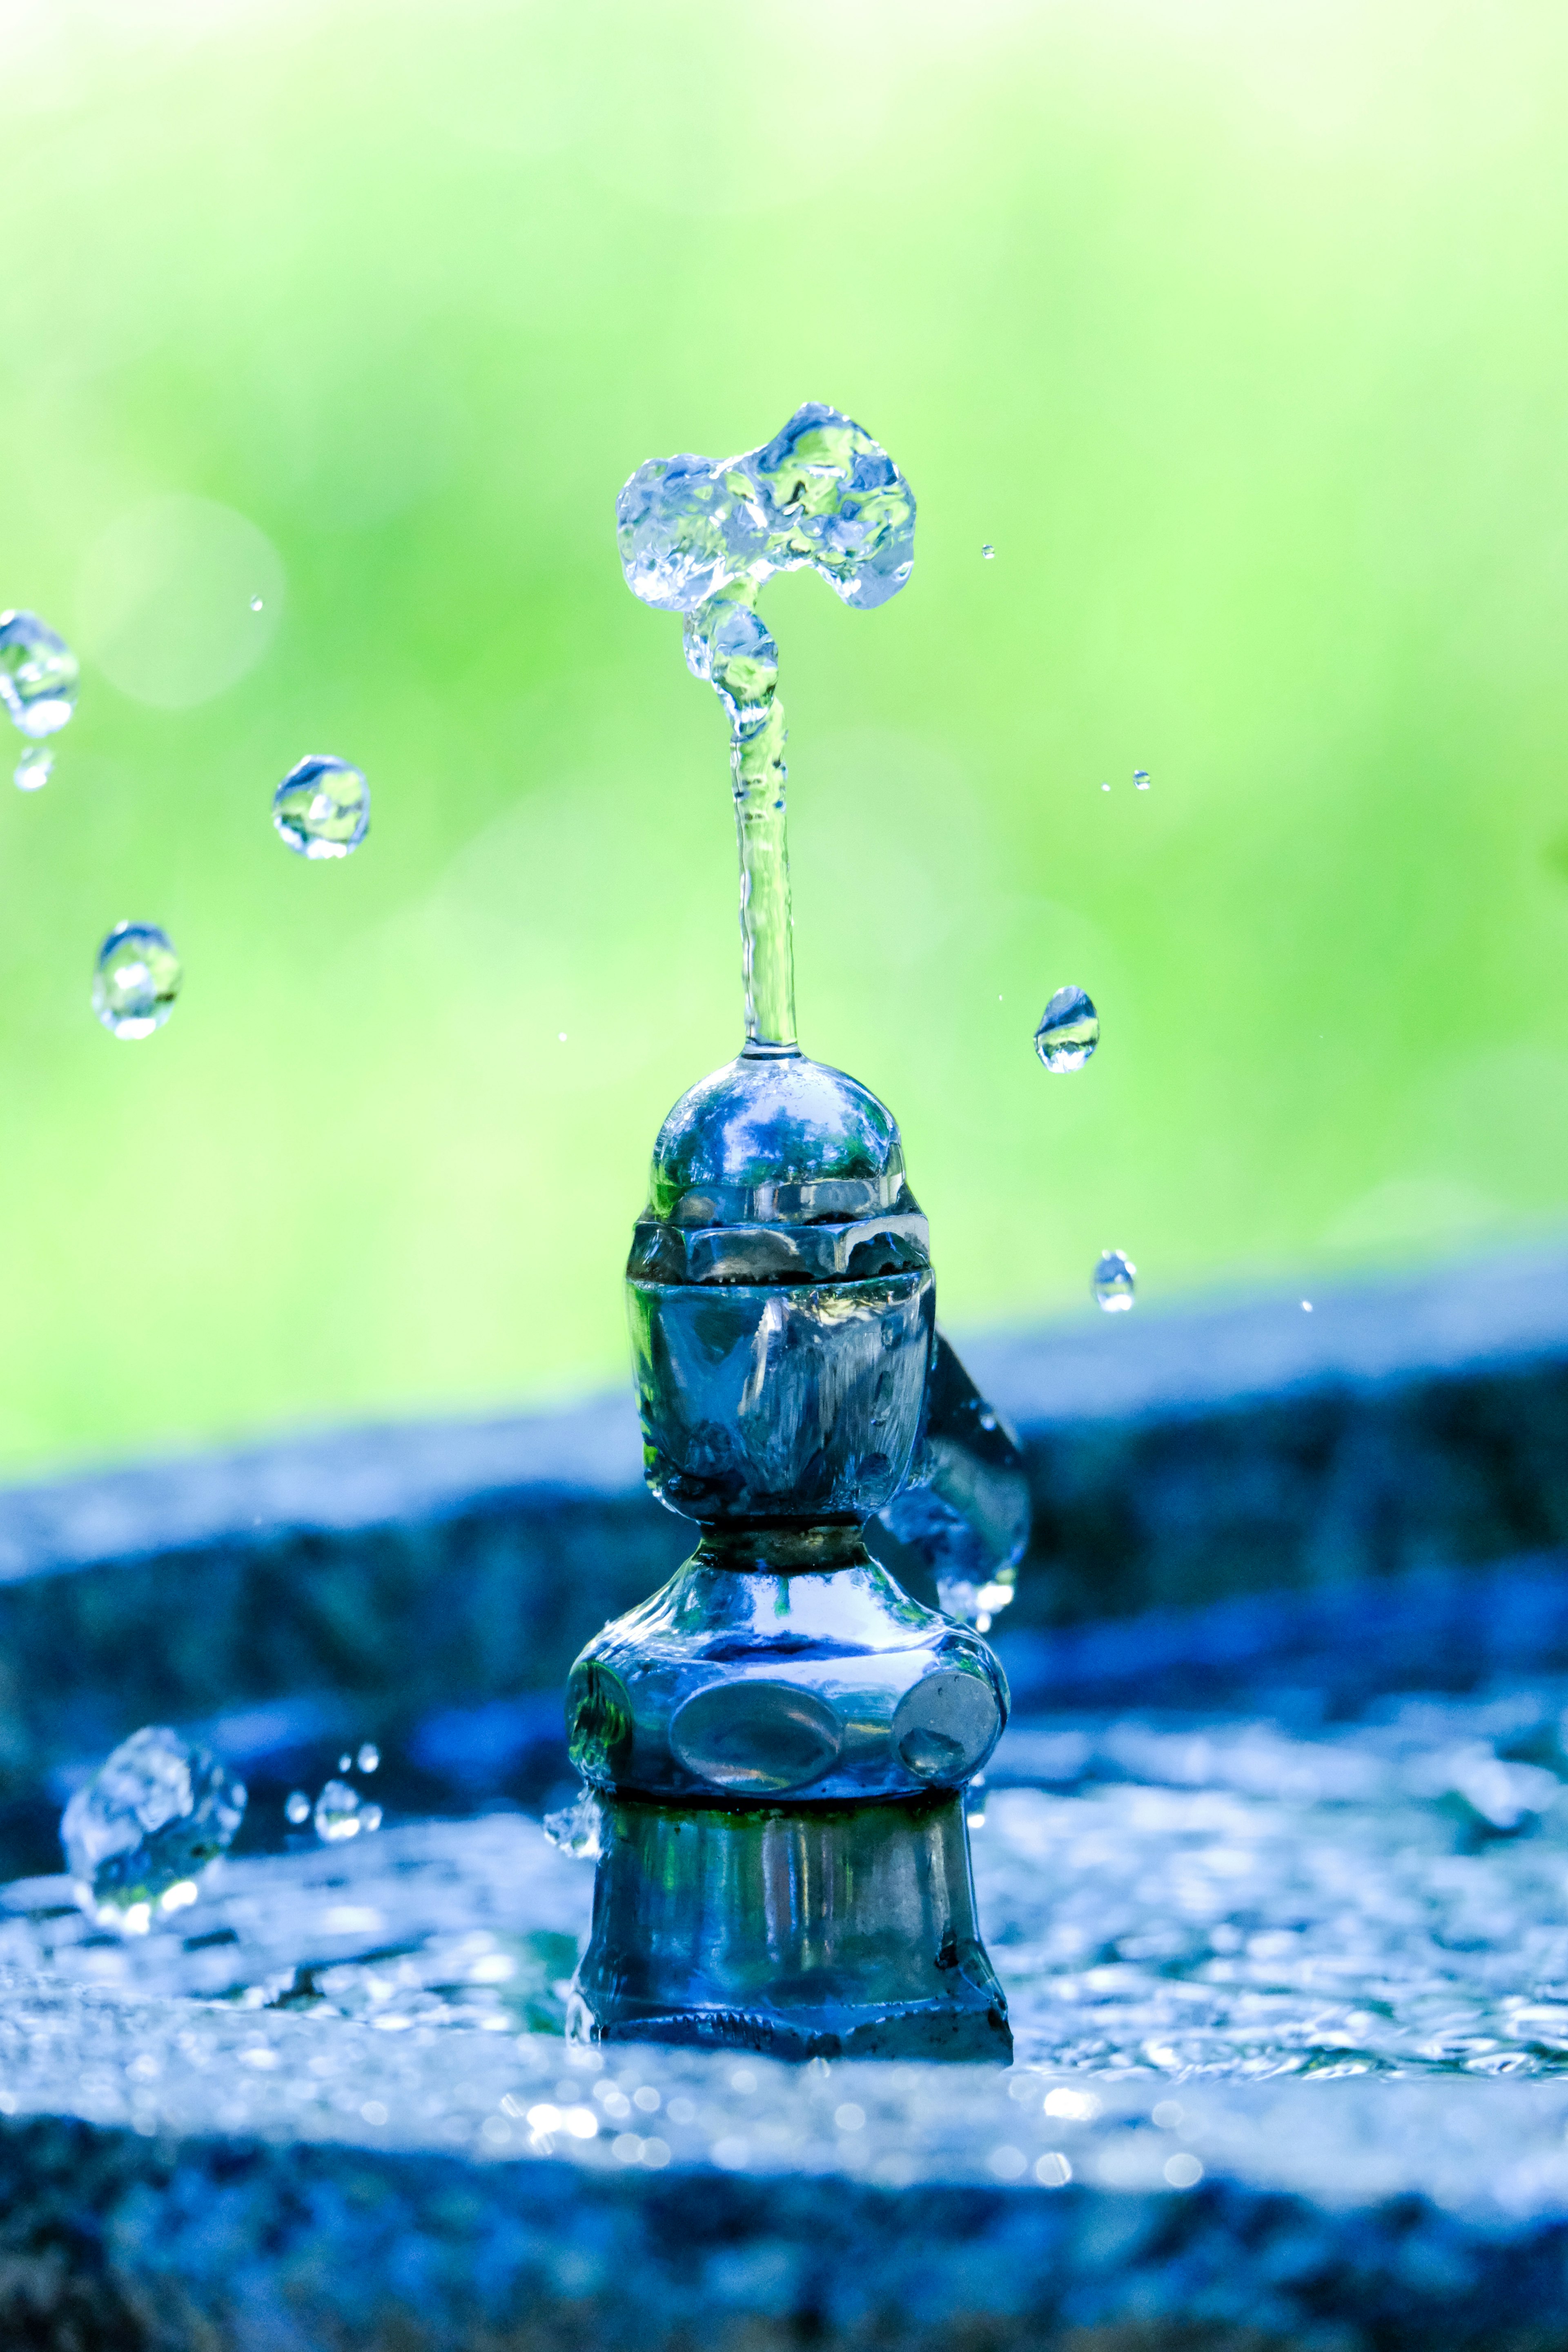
point(781, 1737)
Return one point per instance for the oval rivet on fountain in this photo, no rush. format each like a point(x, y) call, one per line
point(945, 1727)
point(756, 1736)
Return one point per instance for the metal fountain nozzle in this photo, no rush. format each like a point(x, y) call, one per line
point(780, 1741)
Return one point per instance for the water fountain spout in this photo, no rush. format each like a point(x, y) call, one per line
point(781, 1740)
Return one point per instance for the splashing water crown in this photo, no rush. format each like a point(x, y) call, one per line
point(700, 537)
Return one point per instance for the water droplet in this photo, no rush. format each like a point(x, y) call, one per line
point(1306, 1306)
point(338, 1814)
point(1113, 1282)
point(34, 768)
point(370, 1818)
point(369, 1755)
point(256, 603)
point(577, 1829)
point(561, 1036)
point(38, 674)
point(1140, 778)
point(345, 1762)
point(989, 552)
point(1105, 788)
point(297, 1807)
point(321, 809)
point(139, 1835)
point(1068, 1030)
point(136, 981)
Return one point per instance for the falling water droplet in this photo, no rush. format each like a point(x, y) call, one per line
point(143, 1830)
point(345, 1761)
point(989, 552)
point(369, 1757)
point(38, 674)
point(337, 1814)
point(1105, 788)
point(1306, 1306)
point(321, 809)
point(1068, 1030)
point(34, 768)
point(136, 981)
point(256, 603)
point(1140, 778)
point(297, 1807)
point(1113, 1282)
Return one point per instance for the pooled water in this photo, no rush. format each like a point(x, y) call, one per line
point(321, 809)
point(701, 538)
point(136, 980)
point(139, 1835)
point(1164, 1897)
point(39, 675)
point(1068, 1030)
point(1113, 1282)
point(34, 769)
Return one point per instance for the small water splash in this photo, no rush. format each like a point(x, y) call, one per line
point(1114, 1282)
point(340, 1812)
point(321, 809)
point(578, 1828)
point(136, 980)
point(1068, 1030)
point(700, 539)
point(39, 675)
point(34, 769)
point(141, 1834)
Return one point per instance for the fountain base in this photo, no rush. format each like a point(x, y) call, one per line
point(800, 1931)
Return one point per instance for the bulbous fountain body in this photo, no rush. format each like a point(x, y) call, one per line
point(781, 1739)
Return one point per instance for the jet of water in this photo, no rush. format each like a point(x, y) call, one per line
point(700, 537)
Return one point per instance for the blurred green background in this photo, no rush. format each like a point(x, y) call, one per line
point(1238, 330)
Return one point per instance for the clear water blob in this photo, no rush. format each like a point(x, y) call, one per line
point(38, 674)
point(141, 1834)
point(297, 1807)
point(1306, 1306)
point(1068, 1030)
point(1105, 788)
point(988, 553)
point(256, 603)
point(577, 1829)
point(340, 1813)
point(136, 980)
point(345, 1762)
point(369, 1757)
point(1141, 780)
point(34, 769)
point(1114, 1282)
point(700, 537)
point(321, 809)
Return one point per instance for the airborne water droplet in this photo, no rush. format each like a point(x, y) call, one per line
point(38, 674)
point(369, 1757)
point(34, 768)
point(338, 1814)
point(1113, 1285)
point(1068, 1030)
point(321, 809)
point(989, 552)
point(297, 1807)
point(1140, 778)
point(139, 1835)
point(136, 980)
point(256, 603)
point(1105, 788)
